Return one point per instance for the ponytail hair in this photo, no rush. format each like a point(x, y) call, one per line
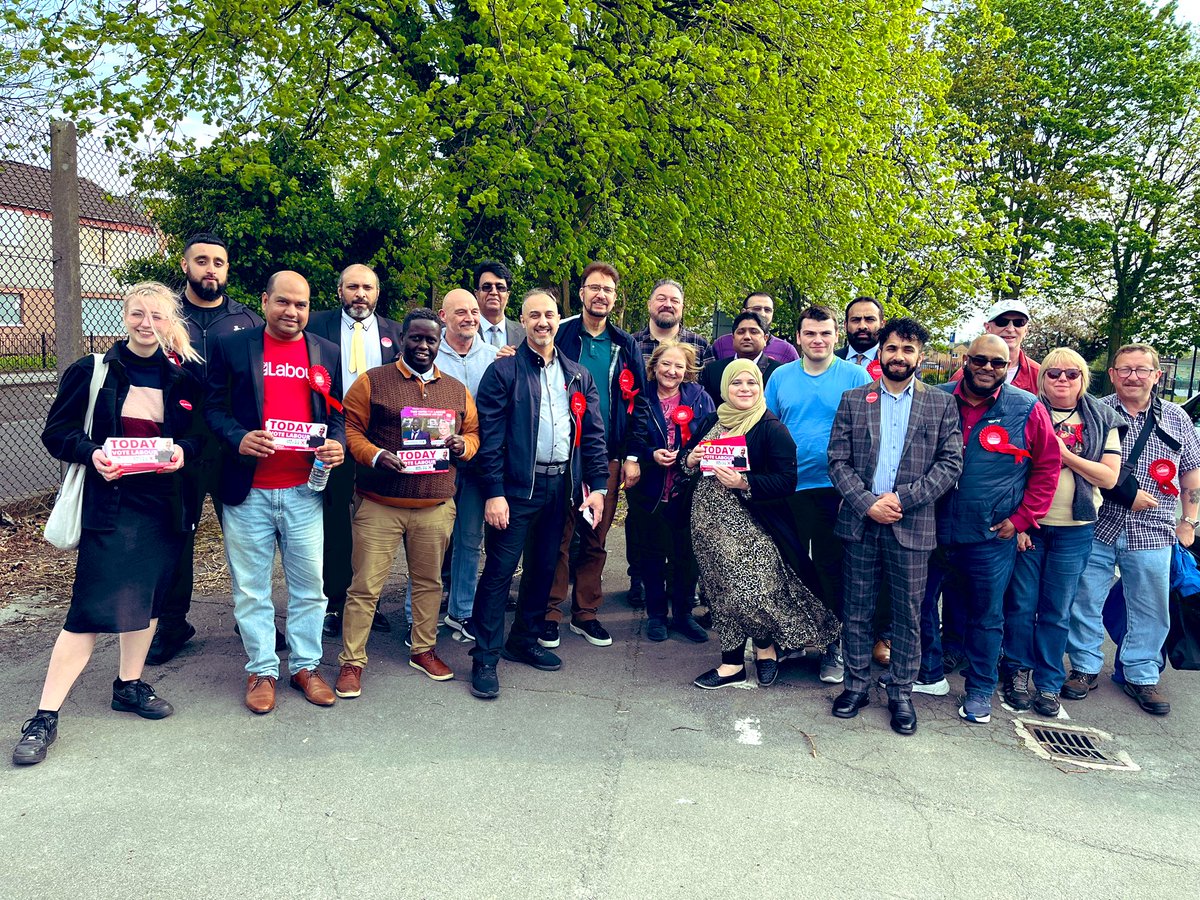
point(170, 330)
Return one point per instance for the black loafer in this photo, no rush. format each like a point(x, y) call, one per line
point(537, 656)
point(689, 628)
point(767, 670)
point(168, 642)
point(848, 703)
point(332, 626)
point(381, 624)
point(711, 681)
point(904, 716)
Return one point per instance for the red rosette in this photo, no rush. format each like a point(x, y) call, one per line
point(578, 405)
point(625, 380)
point(321, 382)
point(1163, 471)
point(682, 417)
point(996, 439)
point(874, 369)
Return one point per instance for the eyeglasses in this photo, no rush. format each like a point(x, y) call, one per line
point(984, 362)
point(1140, 373)
point(498, 286)
point(1071, 374)
point(606, 290)
point(1014, 321)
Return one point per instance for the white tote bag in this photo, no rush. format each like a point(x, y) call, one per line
point(66, 518)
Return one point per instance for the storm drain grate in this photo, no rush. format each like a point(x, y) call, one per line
point(1073, 744)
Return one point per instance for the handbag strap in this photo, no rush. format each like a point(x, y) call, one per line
point(1140, 444)
point(99, 371)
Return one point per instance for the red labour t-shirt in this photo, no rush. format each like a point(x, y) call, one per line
point(286, 395)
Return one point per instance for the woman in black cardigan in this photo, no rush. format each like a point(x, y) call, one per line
point(133, 526)
point(745, 542)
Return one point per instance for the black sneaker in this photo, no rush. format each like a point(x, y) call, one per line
point(37, 734)
point(1045, 703)
point(1017, 693)
point(951, 661)
point(380, 623)
point(549, 636)
point(408, 635)
point(688, 627)
point(1078, 685)
point(538, 657)
point(593, 632)
point(636, 596)
point(168, 641)
point(462, 628)
point(332, 627)
point(484, 683)
point(139, 697)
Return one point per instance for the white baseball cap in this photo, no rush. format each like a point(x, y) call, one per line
point(1000, 307)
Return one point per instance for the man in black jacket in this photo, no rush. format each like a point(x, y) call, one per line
point(365, 340)
point(614, 360)
point(208, 314)
point(280, 375)
point(541, 447)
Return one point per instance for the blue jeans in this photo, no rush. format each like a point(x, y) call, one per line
point(977, 578)
point(467, 542)
point(290, 517)
point(1037, 606)
point(1146, 579)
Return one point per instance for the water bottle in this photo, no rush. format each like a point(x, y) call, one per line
point(318, 477)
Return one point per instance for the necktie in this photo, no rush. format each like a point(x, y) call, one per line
point(497, 337)
point(358, 351)
point(858, 358)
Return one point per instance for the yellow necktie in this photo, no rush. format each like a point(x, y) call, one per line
point(358, 351)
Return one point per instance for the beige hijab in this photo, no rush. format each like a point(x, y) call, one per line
point(739, 421)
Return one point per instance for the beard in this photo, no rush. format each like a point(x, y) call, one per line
point(862, 343)
point(666, 320)
point(204, 292)
point(899, 371)
point(357, 313)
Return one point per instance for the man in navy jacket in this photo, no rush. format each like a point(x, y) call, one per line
point(541, 448)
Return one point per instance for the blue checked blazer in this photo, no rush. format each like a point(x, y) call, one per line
point(929, 464)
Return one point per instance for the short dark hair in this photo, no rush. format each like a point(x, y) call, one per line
point(603, 268)
point(204, 237)
point(420, 314)
point(746, 299)
point(908, 329)
point(749, 316)
point(817, 313)
point(863, 299)
point(499, 269)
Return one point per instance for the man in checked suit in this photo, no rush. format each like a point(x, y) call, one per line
point(895, 448)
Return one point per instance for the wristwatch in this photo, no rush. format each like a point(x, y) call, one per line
point(1195, 523)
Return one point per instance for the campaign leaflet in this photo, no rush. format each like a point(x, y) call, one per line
point(138, 454)
point(730, 451)
point(289, 435)
point(425, 432)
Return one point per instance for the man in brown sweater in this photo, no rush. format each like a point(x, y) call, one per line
point(405, 492)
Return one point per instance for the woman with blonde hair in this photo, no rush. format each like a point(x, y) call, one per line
point(133, 523)
point(1051, 557)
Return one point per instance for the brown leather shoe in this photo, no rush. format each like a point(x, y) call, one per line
point(314, 687)
point(429, 663)
point(349, 681)
point(882, 653)
point(260, 693)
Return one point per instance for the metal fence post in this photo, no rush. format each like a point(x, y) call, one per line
point(64, 205)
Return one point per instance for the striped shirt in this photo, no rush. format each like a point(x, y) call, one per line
point(649, 343)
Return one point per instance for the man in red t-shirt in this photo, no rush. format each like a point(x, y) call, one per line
point(276, 374)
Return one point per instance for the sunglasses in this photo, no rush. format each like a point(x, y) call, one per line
point(984, 362)
point(1014, 321)
point(1072, 374)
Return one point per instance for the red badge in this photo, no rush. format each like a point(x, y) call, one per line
point(872, 397)
point(996, 439)
point(578, 405)
point(682, 417)
point(185, 405)
point(385, 341)
point(625, 380)
point(1163, 471)
point(874, 369)
point(319, 381)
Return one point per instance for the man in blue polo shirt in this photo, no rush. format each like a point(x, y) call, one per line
point(805, 395)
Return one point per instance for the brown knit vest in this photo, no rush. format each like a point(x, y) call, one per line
point(390, 393)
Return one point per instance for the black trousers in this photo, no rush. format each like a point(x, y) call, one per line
point(178, 600)
point(815, 511)
point(535, 528)
point(337, 514)
point(668, 566)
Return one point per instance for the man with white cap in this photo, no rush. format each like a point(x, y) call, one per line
point(1009, 320)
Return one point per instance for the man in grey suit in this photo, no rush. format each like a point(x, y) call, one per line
point(493, 282)
point(895, 448)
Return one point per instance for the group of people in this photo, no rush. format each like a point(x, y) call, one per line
point(818, 497)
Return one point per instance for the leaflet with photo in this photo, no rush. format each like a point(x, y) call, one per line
point(138, 454)
point(426, 427)
point(289, 435)
point(730, 452)
point(424, 461)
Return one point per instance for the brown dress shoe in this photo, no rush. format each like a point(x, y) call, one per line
point(883, 652)
point(314, 687)
point(260, 693)
point(429, 663)
point(349, 681)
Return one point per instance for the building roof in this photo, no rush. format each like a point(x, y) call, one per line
point(28, 187)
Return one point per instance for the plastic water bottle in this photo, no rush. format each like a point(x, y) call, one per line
point(318, 477)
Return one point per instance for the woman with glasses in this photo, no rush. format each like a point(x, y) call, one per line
point(1052, 556)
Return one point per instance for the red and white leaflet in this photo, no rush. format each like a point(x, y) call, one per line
point(289, 435)
point(730, 452)
point(138, 454)
point(425, 461)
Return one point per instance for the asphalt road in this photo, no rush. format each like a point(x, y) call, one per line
point(611, 778)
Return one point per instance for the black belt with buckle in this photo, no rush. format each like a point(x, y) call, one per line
point(549, 468)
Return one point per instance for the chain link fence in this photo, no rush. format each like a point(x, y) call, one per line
point(107, 227)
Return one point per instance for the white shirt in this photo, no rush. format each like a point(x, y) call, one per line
point(370, 337)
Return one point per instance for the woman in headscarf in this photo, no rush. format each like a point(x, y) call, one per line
point(751, 566)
